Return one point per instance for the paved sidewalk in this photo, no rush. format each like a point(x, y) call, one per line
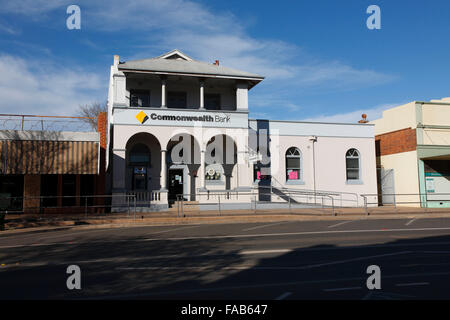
point(19, 224)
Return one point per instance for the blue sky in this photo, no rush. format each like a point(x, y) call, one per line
point(320, 60)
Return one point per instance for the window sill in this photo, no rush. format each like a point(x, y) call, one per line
point(354, 182)
point(295, 182)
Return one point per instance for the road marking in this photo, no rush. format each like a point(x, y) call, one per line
point(354, 259)
point(440, 252)
point(410, 221)
point(266, 225)
point(284, 296)
point(296, 234)
point(42, 235)
point(176, 229)
point(248, 236)
point(342, 289)
point(412, 284)
point(262, 285)
point(244, 267)
point(340, 223)
point(265, 251)
point(367, 296)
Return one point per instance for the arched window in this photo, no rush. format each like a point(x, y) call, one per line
point(352, 164)
point(139, 155)
point(293, 164)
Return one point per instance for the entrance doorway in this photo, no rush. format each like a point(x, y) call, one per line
point(175, 183)
point(140, 178)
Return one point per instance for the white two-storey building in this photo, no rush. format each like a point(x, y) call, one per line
point(178, 126)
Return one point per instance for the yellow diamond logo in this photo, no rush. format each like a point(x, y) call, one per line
point(142, 117)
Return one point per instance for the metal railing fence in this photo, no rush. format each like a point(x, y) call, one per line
point(82, 204)
point(248, 202)
point(46, 123)
point(415, 202)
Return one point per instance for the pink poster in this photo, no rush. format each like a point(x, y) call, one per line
point(293, 175)
point(258, 175)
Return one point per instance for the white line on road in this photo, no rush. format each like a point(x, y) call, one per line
point(342, 289)
point(296, 234)
point(266, 225)
point(284, 296)
point(264, 285)
point(238, 236)
point(354, 259)
point(367, 296)
point(340, 223)
point(265, 251)
point(42, 235)
point(245, 267)
point(176, 229)
point(412, 284)
point(410, 221)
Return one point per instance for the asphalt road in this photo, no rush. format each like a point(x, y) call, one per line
point(279, 260)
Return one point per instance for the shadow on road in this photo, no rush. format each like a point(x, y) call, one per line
point(217, 269)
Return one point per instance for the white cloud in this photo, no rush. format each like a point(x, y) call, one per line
point(372, 113)
point(189, 26)
point(37, 87)
point(208, 35)
point(4, 28)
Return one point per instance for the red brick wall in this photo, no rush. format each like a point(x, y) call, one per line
point(100, 179)
point(101, 128)
point(396, 142)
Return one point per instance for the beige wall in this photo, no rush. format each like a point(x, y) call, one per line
point(397, 118)
point(405, 174)
point(437, 115)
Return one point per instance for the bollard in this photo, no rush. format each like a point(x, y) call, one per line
point(220, 213)
point(2, 221)
point(289, 195)
point(134, 207)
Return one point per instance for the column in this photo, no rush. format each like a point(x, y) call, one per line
point(119, 200)
point(163, 181)
point(201, 171)
point(202, 94)
point(120, 90)
point(241, 96)
point(119, 175)
point(163, 92)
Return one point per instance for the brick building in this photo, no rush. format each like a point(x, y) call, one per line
point(413, 154)
point(46, 170)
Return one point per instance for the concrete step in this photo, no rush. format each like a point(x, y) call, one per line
point(187, 206)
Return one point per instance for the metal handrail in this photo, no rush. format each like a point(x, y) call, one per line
point(219, 193)
point(396, 195)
